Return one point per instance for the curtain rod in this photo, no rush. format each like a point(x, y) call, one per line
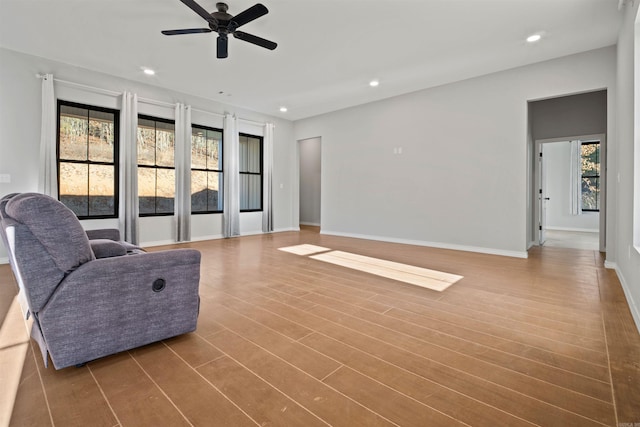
point(144, 100)
point(207, 112)
point(82, 86)
point(158, 103)
point(251, 122)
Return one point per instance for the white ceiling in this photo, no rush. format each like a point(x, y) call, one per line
point(328, 50)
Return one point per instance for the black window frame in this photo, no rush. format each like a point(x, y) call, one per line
point(88, 162)
point(206, 170)
point(261, 173)
point(598, 175)
point(155, 167)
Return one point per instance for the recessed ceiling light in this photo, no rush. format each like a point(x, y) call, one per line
point(283, 109)
point(374, 83)
point(148, 71)
point(534, 38)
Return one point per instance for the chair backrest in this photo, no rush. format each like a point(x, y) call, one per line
point(49, 243)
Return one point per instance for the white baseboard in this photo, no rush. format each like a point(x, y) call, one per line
point(157, 243)
point(633, 307)
point(4, 260)
point(281, 230)
point(490, 251)
point(313, 224)
point(581, 230)
point(210, 237)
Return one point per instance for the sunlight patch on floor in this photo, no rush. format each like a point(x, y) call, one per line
point(14, 343)
point(418, 276)
point(304, 249)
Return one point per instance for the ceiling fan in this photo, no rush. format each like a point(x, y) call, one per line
point(224, 24)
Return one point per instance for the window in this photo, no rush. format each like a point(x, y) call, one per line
point(156, 166)
point(250, 173)
point(206, 170)
point(87, 151)
point(590, 185)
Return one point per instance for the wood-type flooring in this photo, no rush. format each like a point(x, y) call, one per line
point(286, 340)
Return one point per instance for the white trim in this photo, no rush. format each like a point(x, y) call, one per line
point(251, 233)
point(633, 307)
point(315, 224)
point(490, 251)
point(282, 230)
point(209, 237)
point(159, 243)
point(582, 230)
point(4, 260)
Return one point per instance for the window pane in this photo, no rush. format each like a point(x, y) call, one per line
point(198, 148)
point(74, 187)
point(590, 159)
point(215, 191)
point(101, 136)
point(243, 153)
point(147, 190)
point(254, 155)
point(250, 192)
point(73, 133)
point(102, 190)
point(146, 143)
point(214, 148)
point(590, 193)
point(198, 191)
point(165, 144)
point(165, 190)
point(250, 154)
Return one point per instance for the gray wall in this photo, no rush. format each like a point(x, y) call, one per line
point(310, 182)
point(20, 113)
point(462, 180)
point(583, 114)
point(627, 262)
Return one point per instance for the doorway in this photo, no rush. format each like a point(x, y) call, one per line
point(310, 186)
point(570, 188)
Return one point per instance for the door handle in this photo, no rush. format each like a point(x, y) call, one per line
point(546, 198)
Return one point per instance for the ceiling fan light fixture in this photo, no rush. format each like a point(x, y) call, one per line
point(148, 71)
point(374, 83)
point(283, 109)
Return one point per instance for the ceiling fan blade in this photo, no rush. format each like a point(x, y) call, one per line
point(222, 47)
point(185, 31)
point(254, 12)
point(201, 11)
point(268, 44)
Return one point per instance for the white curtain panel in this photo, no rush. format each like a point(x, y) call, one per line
point(231, 210)
point(267, 198)
point(183, 172)
point(129, 168)
point(48, 179)
point(575, 179)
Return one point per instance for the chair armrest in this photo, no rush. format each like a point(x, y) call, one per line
point(104, 233)
point(112, 277)
point(105, 248)
point(109, 305)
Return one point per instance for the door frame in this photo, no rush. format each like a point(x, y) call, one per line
point(602, 229)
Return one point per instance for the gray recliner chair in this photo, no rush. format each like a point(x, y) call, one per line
point(92, 298)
